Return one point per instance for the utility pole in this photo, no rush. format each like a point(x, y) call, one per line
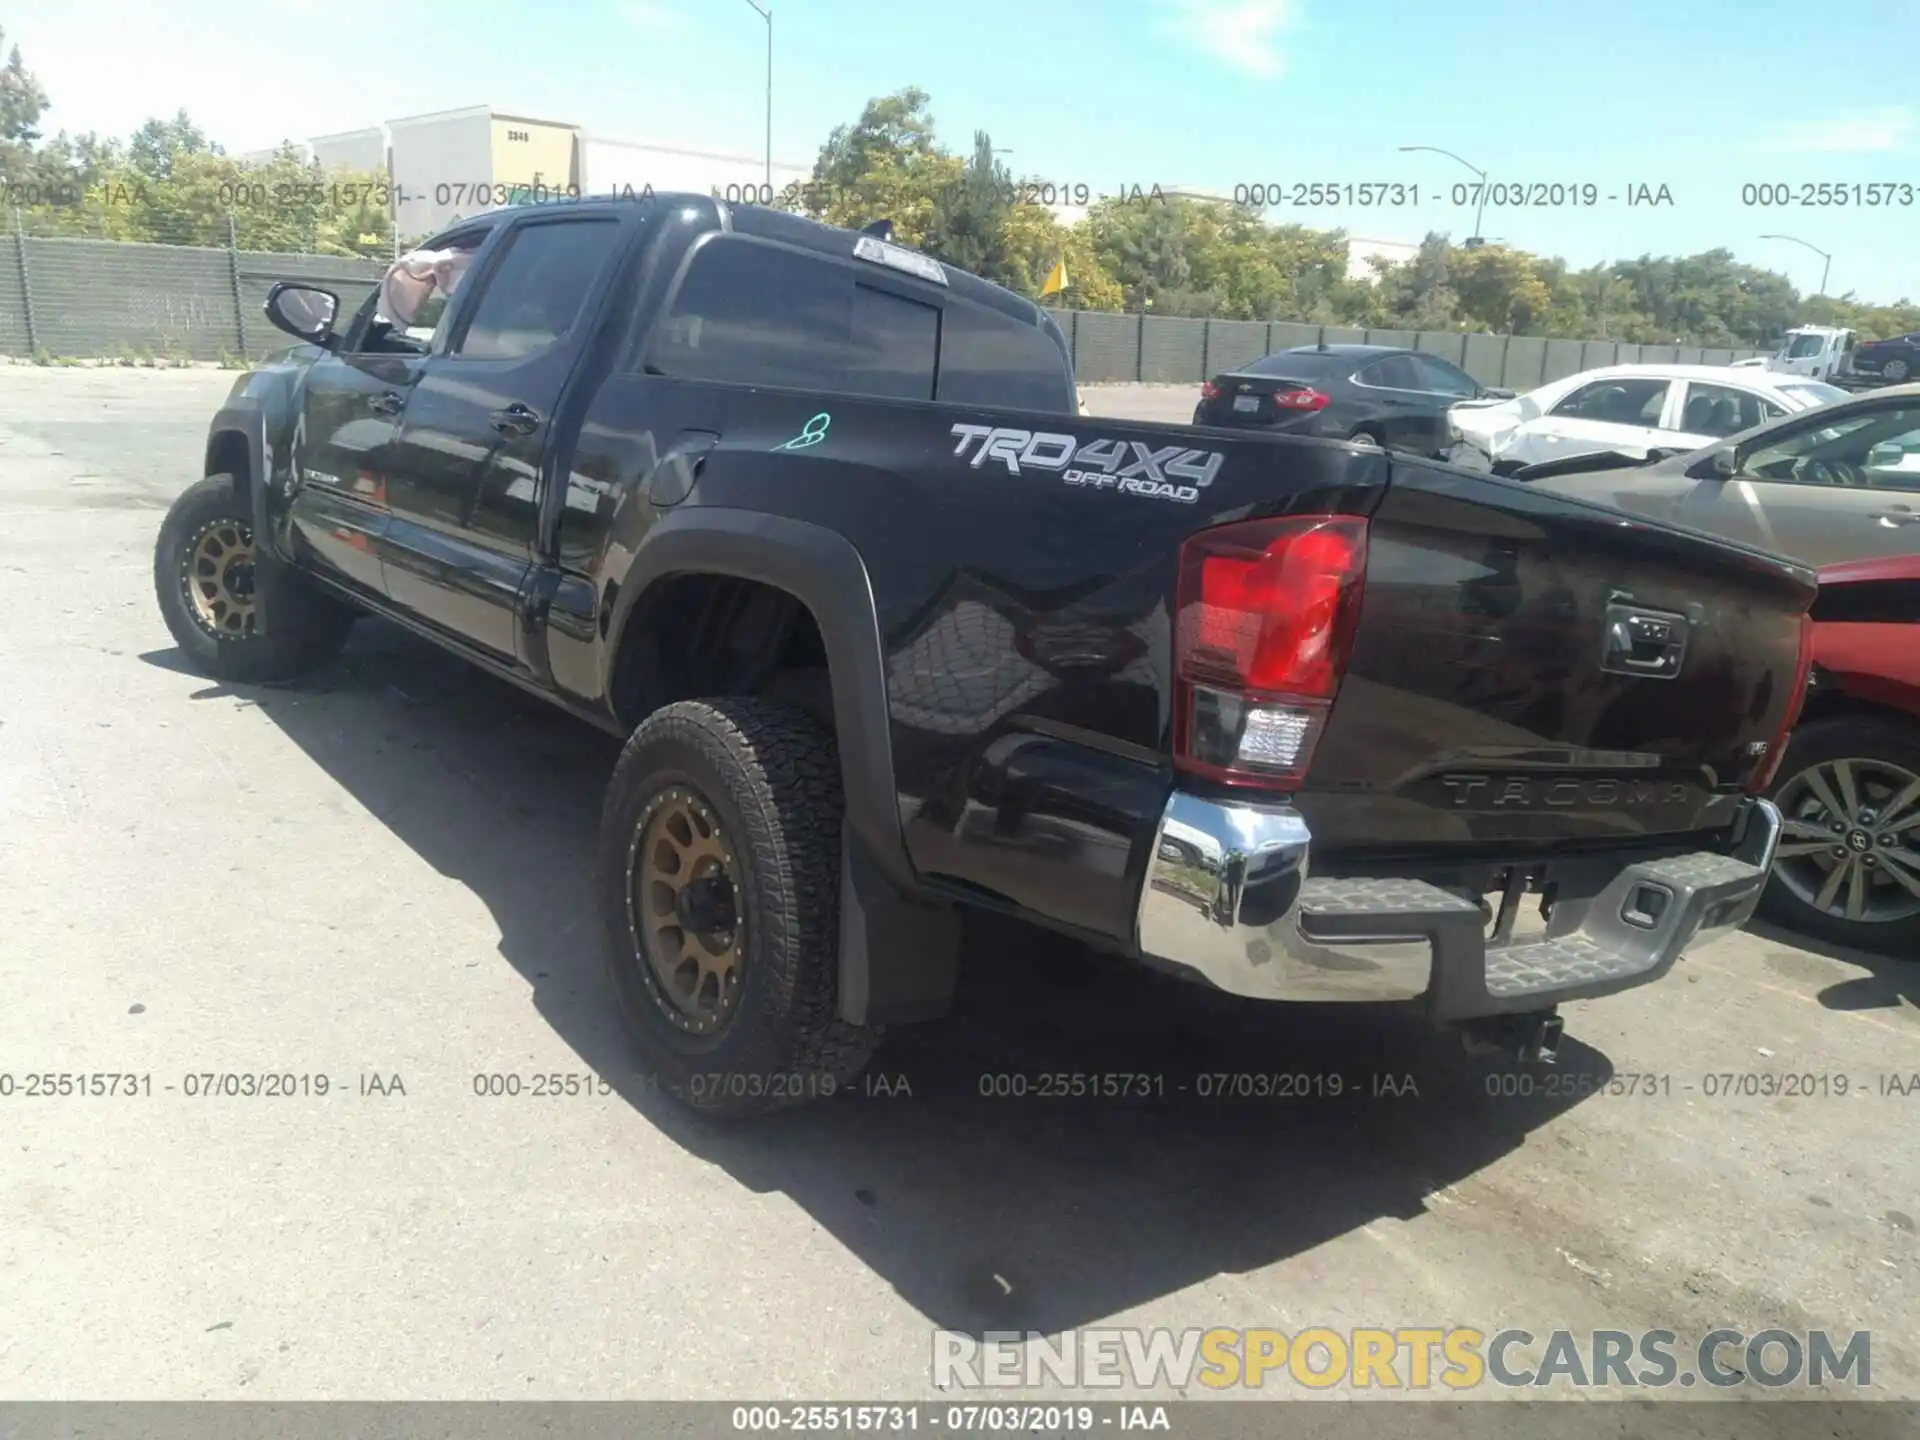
point(767, 15)
point(1474, 241)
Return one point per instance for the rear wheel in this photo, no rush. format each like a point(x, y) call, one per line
point(206, 581)
point(1849, 863)
point(719, 889)
point(1895, 371)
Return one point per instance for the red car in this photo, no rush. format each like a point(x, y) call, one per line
point(1849, 787)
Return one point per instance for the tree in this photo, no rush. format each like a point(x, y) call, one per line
point(971, 216)
point(890, 130)
point(158, 144)
point(1144, 246)
point(22, 102)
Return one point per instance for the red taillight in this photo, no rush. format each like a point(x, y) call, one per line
point(1265, 614)
point(1763, 775)
point(1308, 399)
point(1209, 391)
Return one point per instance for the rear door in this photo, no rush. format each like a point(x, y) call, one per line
point(1623, 413)
point(1703, 412)
point(1823, 491)
point(1410, 416)
point(467, 469)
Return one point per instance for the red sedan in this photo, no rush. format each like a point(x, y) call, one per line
point(1849, 787)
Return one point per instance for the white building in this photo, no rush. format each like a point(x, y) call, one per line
point(609, 165)
point(455, 163)
point(357, 150)
point(302, 150)
point(1359, 252)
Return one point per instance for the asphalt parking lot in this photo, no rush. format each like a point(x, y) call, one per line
point(378, 880)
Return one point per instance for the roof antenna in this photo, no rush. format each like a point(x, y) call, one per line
point(879, 229)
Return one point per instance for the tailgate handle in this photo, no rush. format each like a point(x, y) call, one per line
point(1644, 642)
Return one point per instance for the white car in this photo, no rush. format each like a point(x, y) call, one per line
point(1629, 410)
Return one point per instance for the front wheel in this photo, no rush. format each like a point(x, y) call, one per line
point(719, 880)
point(1848, 867)
point(205, 580)
point(1895, 371)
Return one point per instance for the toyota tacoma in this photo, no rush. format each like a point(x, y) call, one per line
point(891, 629)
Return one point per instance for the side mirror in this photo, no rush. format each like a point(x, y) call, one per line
point(1492, 393)
point(1722, 464)
point(303, 311)
point(1886, 456)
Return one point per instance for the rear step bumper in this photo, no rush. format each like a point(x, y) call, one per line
point(1228, 896)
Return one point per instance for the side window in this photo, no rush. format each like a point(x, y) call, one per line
point(751, 313)
point(1719, 411)
point(535, 292)
point(1444, 379)
point(987, 358)
point(755, 314)
point(894, 344)
point(1396, 372)
point(1881, 449)
point(1626, 401)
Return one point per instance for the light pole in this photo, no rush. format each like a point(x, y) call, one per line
point(767, 15)
point(1826, 259)
point(1474, 242)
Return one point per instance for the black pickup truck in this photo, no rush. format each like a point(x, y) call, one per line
point(891, 630)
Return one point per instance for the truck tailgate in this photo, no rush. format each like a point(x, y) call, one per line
point(1530, 668)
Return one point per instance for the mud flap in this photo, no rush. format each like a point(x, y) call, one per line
point(899, 958)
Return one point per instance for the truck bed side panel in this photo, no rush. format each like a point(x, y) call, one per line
point(1029, 695)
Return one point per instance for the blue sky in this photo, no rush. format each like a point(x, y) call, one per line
point(1702, 98)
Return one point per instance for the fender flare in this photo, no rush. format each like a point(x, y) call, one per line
point(899, 952)
point(825, 573)
point(244, 417)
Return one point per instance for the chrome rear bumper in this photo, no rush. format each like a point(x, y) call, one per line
point(1228, 896)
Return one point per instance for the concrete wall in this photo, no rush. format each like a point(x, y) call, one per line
point(104, 299)
point(101, 298)
point(1111, 349)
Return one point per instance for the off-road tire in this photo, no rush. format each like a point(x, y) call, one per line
point(298, 633)
point(771, 774)
point(1819, 742)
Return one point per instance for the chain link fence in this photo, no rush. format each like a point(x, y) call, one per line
point(66, 297)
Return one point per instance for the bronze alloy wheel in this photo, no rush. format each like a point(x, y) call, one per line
point(216, 575)
point(685, 910)
point(1851, 846)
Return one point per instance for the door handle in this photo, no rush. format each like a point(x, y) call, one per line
point(1898, 515)
point(387, 402)
point(516, 419)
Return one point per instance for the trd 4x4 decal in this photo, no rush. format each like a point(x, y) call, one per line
point(1131, 467)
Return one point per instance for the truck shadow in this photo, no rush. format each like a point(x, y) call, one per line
point(1233, 1135)
point(1891, 981)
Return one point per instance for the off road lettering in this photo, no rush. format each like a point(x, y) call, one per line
point(1131, 466)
